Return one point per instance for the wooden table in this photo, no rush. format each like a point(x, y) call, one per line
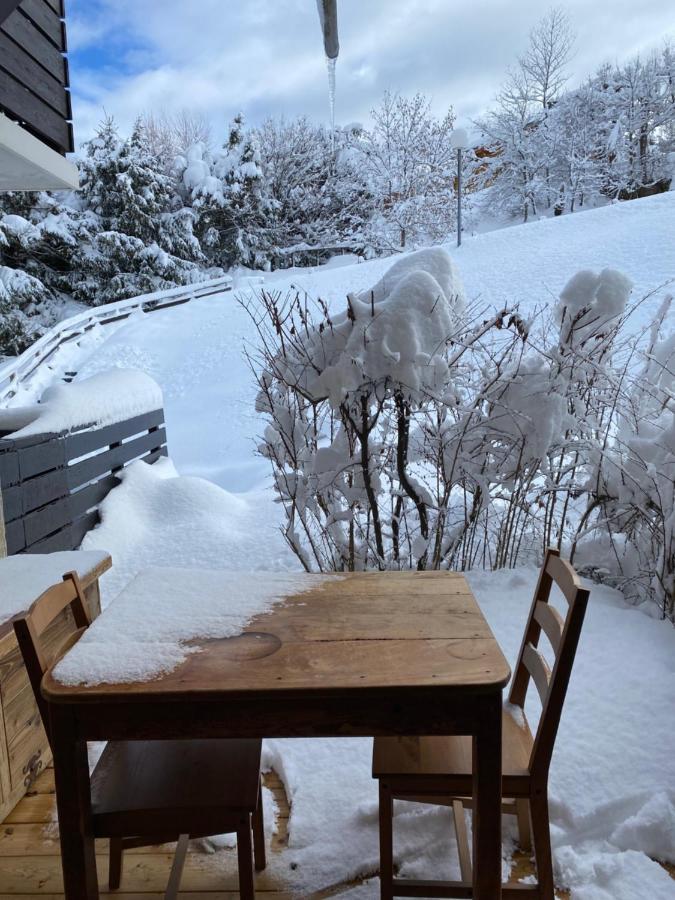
point(362, 655)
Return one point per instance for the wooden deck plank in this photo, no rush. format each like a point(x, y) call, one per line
point(30, 865)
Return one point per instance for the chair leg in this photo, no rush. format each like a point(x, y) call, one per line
point(245, 859)
point(463, 848)
point(541, 833)
point(115, 864)
point(523, 817)
point(386, 843)
point(171, 892)
point(258, 824)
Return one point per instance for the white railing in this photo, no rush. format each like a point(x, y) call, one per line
point(16, 372)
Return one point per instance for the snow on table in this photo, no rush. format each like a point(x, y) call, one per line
point(25, 576)
point(103, 399)
point(145, 632)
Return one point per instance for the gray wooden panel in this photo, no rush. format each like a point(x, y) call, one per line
point(14, 536)
point(40, 458)
point(7, 7)
point(87, 441)
point(35, 114)
point(9, 466)
point(45, 18)
point(22, 30)
point(46, 520)
point(52, 504)
point(60, 540)
point(81, 526)
point(57, 6)
point(43, 489)
point(15, 61)
point(86, 498)
point(116, 457)
point(12, 502)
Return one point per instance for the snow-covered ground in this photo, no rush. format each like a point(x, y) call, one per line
point(613, 772)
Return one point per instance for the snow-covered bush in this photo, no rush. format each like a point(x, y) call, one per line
point(410, 430)
point(634, 525)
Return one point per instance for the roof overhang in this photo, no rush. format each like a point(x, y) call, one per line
point(26, 164)
point(328, 17)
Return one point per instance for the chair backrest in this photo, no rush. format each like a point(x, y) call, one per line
point(40, 651)
point(563, 634)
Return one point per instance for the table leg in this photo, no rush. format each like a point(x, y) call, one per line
point(487, 791)
point(73, 799)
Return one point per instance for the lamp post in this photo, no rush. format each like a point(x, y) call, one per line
point(459, 140)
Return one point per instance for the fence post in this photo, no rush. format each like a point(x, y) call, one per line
point(3, 541)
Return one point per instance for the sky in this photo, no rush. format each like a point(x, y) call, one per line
point(265, 57)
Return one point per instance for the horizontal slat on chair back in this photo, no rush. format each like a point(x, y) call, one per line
point(551, 621)
point(538, 668)
point(564, 576)
point(49, 604)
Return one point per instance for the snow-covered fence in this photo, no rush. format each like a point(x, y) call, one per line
point(52, 484)
point(18, 371)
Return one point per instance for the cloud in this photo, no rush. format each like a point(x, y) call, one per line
point(265, 57)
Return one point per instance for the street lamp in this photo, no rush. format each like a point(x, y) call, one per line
point(459, 140)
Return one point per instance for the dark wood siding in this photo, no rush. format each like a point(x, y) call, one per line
point(52, 484)
point(34, 86)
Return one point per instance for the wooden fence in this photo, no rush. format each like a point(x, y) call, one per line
point(52, 484)
point(16, 373)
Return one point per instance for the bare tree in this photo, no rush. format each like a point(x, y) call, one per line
point(172, 134)
point(545, 60)
point(408, 159)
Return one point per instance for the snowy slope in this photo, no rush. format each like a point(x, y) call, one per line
point(613, 771)
point(194, 351)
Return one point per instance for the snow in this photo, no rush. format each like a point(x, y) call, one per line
point(24, 577)
point(396, 331)
point(613, 768)
point(147, 630)
point(225, 530)
point(591, 301)
point(103, 399)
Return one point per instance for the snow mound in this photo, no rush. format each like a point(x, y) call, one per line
point(651, 829)
point(394, 334)
point(598, 871)
point(157, 518)
point(103, 399)
point(591, 301)
point(435, 261)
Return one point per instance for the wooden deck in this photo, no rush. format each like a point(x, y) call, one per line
point(30, 866)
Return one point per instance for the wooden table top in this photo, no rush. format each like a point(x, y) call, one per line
point(361, 631)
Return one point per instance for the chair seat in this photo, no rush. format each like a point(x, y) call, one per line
point(143, 787)
point(434, 759)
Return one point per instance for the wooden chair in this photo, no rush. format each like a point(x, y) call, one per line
point(438, 770)
point(153, 792)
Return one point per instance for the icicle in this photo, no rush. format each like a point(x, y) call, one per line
point(330, 65)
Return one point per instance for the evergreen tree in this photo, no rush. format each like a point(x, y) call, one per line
point(142, 242)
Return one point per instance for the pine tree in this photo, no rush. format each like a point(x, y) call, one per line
point(246, 243)
point(144, 239)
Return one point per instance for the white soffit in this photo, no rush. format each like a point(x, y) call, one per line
point(26, 164)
